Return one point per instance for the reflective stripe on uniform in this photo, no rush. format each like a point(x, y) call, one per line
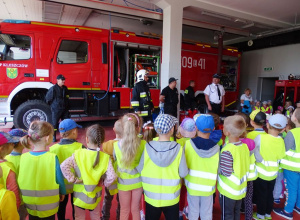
point(129, 181)
point(290, 163)
point(143, 94)
point(128, 171)
point(236, 181)
point(266, 173)
point(162, 196)
point(69, 186)
point(269, 163)
point(112, 187)
point(143, 113)
point(162, 182)
point(83, 197)
point(198, 187)
point(135, 103)
point(45, 207)
point(231, 190)
point(77, 172)
point(293, 154)
point(252, 175)
point(39, 193)
point(202, 174)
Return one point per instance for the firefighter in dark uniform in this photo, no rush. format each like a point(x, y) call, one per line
point(189, 96)
point(141, 98)
point(58, 99)
point(169, 98)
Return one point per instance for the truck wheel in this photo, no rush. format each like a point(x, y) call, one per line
point(30, 111)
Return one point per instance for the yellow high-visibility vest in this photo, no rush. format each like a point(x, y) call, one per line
point(202, 177)
point(235, 186)
point(87, 195)
point(292, 159)
point(128, 178)
point(161, 184)
point(63, 152)
point(37, 182)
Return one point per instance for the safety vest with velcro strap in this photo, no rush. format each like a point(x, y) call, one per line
point(252, 170)
point(202, 177)
point(235, 186)
point(37, 182)
point(292, 159)
point(87, 195)
point(161, 185)
point(272, 150)
point(64, 151)
point(6, 167)
point(128, 178)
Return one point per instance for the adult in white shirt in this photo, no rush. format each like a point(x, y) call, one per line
point(215, 96)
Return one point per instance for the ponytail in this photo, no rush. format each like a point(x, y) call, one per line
point(25, 141)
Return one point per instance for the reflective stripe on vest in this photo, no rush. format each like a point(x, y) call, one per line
point(113, 188)
point(143, 113)
point(143, 94)
point(135, 103)
point(268, 168)
point(161, 185)
point(40, 195)
point(128, 178)
point(202, 177)
point(87, 195)
point(64, 151)
point(235, 186)
point(292, 159)
point(252, 170)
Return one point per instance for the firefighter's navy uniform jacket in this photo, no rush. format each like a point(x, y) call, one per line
point(141, 99)
point(189, 98)
point(58, 99)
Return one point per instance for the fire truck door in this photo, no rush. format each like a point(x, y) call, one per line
point(73, 60)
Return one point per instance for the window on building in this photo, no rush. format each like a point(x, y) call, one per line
point(71, 52)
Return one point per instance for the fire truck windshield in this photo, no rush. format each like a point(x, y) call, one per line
point(15, 47)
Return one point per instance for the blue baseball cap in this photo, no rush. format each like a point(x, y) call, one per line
point(18, 133)
point(67, 125)
point(205, 123)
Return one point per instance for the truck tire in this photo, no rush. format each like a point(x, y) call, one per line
point(30, 111)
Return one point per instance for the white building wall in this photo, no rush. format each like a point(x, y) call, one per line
point(284, 60)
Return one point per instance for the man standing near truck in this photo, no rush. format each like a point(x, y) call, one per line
point(189, 96)
point(141, 101)
point(215, 96)
point(58, 99)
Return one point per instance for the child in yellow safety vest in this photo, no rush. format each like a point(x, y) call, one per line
point(68, 130)
point(202, 158)
point(91, 166)
point(14, 157)
point(270, 106)
point(40, 179)
point(8, 208)
point(127, 154)
point(162, 165)
point(265, 108)
point(108, 147)
point(257, 105)
point(234, 168)
point(291, 165)
point(269, 150)
point(9, 177)
point(257, 120)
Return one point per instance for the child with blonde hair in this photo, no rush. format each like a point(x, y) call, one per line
point(233, 169)
point(127, 154)
point(149, 131)
point(90, 165)
point(68, 130)
point(8, 179)
point(40, 179)
point(108, 147)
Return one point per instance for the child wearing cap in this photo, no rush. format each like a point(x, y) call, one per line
point(64, 149)
point(291, 165)
point(269, 150)
point(234, 169)
point(186, 131)
point(14, 157)
point(162, 166)
point(289, 111)
point(265, 108)
point(8, 179)
point(8, 208)
point(202, 157)
point(108, 147)
point(258, 120)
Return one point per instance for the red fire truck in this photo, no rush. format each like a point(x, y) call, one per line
point(99, 66)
